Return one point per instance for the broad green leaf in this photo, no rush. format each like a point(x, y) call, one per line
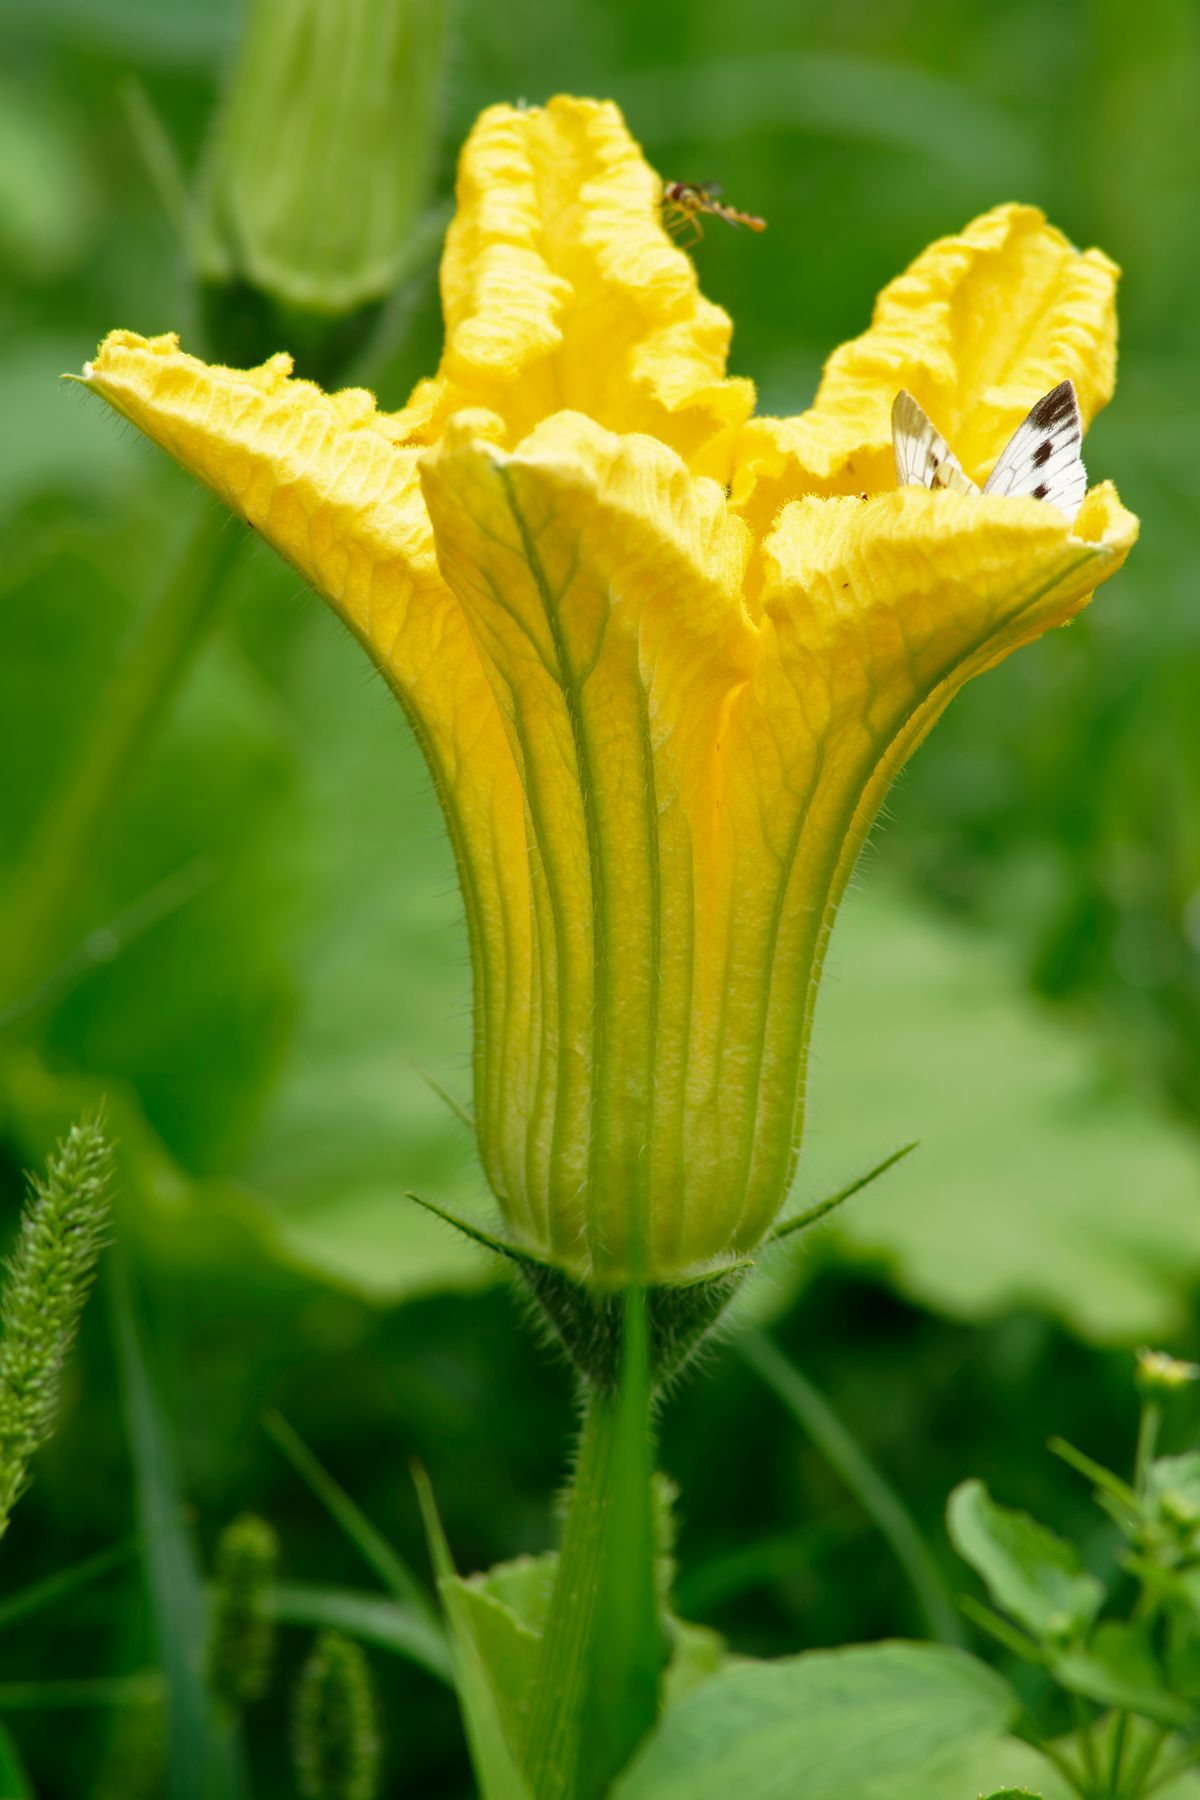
point(371, 1618)
point(867, 1723)
point(493, 1757)
point(1118, 1667)
point(507, 1647)
point(1173, 1489)
point(697, 1653)
point(1030, 1147)
point(1030, 1573)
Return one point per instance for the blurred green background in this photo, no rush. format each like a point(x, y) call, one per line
point(264, 946)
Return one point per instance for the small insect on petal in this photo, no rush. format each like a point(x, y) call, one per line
point(685, 201)
point(1042, 458)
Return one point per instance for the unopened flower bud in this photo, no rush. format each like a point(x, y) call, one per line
point(1159, 1374)
point(242, 1639)
point(318, 166)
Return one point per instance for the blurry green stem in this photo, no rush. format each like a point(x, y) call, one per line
point(1087, 1747)
point(1147, 1442)
point(39, 907)
point(877, 1497)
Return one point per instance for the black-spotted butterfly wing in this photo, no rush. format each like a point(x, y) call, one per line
point(923, 457)
point(1042, 458)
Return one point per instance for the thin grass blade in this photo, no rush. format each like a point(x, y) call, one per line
point(367, 1539)
point(203, 1759)
point(877, 1496)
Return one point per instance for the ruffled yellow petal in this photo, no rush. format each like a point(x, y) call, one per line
point(561, 291)
point(321, 479)
point(875, 614)
point(602, 583)
point(656, 792)
point(977, 328)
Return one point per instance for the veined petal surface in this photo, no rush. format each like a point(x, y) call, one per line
point(320, 477)
point(663, 663)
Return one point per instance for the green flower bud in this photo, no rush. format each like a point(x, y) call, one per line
point(319, 162)
point(242, 1638)
point(1158, 1373)
point(337, 1743)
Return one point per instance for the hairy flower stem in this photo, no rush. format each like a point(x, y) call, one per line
point(39, 908)
point(596, 1688)
point(50, 1274)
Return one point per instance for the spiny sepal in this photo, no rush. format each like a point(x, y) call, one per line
point(587, 1321)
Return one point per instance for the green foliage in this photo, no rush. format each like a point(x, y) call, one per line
point(62, 1232)
point(336, 1740)
point(1030, 1147)
point(1142, 1667)
point(889, 1721)
point(241, 1638)
point(1032, 1574)
point(264, 939)
point(202, 1757)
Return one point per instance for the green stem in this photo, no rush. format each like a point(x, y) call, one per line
point(1175, 1769)
point(1117, 1756)
point(1087, 1748)
point(595, 1691)
point(1144, 1767)
point(876, 1495)
point(1147, 1442)
point(40, 906)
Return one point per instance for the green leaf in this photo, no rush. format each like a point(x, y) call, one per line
point(1173, 1490)
point(1030, 1144)
point(1117, 1667)
point(371, 1618)
point(880, 1720)
point(1030, 1573)
point(493, 1752)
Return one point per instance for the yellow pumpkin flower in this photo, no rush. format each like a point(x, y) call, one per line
point(663, 658)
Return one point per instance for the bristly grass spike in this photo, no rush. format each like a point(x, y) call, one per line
point(685, 201)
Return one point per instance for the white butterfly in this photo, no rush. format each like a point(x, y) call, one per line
point(1041, 458)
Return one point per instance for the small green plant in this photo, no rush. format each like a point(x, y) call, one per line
point(242, 1634)
point(50, 1273)
point(337, 1741)
point(1126, 1656)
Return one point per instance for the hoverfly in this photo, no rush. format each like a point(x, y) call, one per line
point(684, 201)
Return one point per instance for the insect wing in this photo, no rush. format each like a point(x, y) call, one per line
point(923, 457)
point(1042, 457)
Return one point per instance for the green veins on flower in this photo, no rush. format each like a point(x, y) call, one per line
point(663, 657)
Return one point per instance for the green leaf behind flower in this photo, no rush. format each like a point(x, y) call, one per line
point(1031, 1574)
